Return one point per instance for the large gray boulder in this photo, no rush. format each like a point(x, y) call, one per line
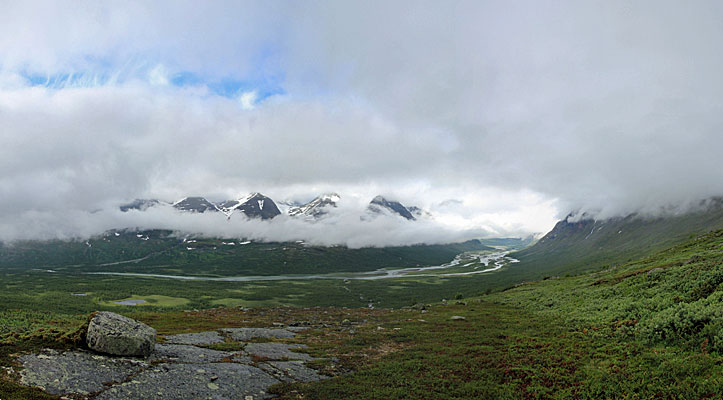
point(115, 334)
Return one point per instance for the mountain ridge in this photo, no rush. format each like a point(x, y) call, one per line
point(578, 244)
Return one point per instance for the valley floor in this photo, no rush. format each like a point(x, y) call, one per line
point(642, 330)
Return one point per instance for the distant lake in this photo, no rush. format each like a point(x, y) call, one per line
point(129, 302)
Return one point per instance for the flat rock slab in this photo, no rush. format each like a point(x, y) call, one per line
point(181, 353)
point(176, 369)
point(246, 334)
point(200, 338)
point(297, 328)
point(75, 372)
point(277, 351)
point(242, 357)
point(291, 371)
point(194, 381)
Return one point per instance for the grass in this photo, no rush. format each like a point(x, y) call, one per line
point(671, 297)
point(500, 352)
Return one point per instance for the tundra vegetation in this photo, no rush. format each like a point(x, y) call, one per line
point(647, 328)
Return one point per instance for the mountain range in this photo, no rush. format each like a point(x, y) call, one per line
point(256, 205)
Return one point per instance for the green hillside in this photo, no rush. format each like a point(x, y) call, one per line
point(673, 297)
point(574, 247)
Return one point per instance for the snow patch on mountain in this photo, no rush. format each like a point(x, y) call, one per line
point(316, 208)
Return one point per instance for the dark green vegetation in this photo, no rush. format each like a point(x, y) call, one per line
point(161, 252)
point(674, 297)
point(575, 247)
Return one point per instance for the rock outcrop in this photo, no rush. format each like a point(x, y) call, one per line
point(174, 371)
point(117, 335)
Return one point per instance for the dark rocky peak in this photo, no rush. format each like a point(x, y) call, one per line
point(379, 204)
point(255, 205)
point(419, 212)
point(139, 204)
point(195, 204)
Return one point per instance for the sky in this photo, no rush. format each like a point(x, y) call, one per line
point(499, 117)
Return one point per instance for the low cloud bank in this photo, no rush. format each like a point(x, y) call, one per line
point(345, 229)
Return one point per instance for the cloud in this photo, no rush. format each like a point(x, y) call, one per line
point(522, 111)
point(158, 76)
point(248, 99)
point(340, 228)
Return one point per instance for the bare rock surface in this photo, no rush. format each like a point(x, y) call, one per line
point(277, 351)
point(246, 334)
point(194, 381)
point(111, 333)
point(180, 368)
point(291, 371)
point(297, 328)
point(242, 357)
point(75, 372)
point(200, 338)
point(180, 353)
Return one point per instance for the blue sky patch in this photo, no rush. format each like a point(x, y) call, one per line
point(225, 87)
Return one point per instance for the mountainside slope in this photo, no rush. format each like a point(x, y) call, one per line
point(587, 244)
point(671, 297)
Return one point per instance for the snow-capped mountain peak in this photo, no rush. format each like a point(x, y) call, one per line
point(379, 205)
point(317, 207)
point(254, 205)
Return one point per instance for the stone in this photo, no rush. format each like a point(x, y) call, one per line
point(180, 353)
point(115, 334)
point(202, 338)
point(297, 328)
point(246, 334)
point(182, 381)
point(291, 371)
point(277, 351)
point(458, 318)
point(75, 372)
point(242, 357)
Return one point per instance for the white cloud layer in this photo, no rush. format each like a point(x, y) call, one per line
point(524, 111)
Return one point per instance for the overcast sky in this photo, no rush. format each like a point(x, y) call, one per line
point(521, 110)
